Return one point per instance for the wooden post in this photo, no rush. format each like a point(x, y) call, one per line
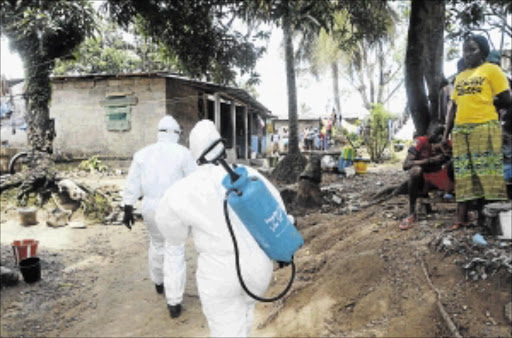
point(233, 123)
point(205, 106)
point(246, 132)
point(217, 111)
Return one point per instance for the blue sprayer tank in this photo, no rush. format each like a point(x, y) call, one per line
point(263, 216)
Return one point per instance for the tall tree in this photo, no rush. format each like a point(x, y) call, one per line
point(371, 65)
point(423, 61)
point(323, 54)
point(307, 17)
point(42, 31)
point(290, 82)
point(368, 57)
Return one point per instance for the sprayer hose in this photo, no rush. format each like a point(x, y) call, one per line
point(237, 257)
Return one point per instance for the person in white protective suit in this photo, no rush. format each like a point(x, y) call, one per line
point(154, 169)
point(196, 203)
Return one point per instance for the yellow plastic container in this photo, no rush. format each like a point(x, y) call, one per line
point(361, 165)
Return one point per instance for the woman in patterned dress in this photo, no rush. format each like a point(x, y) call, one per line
point(475, 129)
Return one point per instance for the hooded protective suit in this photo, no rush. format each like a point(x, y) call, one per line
point(196, 203)
point(154, 169)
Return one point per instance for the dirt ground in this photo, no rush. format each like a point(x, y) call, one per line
point(358, 275)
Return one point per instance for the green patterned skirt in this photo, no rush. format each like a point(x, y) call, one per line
point(478, 162)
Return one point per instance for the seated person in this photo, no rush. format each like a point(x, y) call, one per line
point(429, 164)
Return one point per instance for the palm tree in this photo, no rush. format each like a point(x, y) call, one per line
point(363, 56)
point(307, 17)
point(323, 53)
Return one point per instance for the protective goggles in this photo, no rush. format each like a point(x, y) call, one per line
point(179, 132)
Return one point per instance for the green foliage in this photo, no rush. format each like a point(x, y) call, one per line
point(41, 31)
point(373, 61)
point(110, 52)
point(46, 29)
point(300, 17)
point(363, 20)
point(8, 197)
point(199, 33)
point(93, 58)
point(376, 133)
point(96, 206)
point(356, 141)
point(92, 164)
point(361, 48)
point(463, 17)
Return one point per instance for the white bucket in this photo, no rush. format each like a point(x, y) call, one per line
point(506, 224)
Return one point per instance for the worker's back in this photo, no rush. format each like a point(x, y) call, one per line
point(162, 164)
point(197, 201)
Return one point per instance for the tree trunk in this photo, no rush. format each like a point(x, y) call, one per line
point(363, 72)
point(335, 86)
point(293, 141)
point(38, 93)
point(423, 61)
point(289, 168)
point(382, 81)
point(309, 194)
point(434, 55)
point(414, 80)
point(41, 175)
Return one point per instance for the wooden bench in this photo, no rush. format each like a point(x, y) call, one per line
point(435, 197)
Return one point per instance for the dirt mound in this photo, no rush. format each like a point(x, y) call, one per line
point(358, 275)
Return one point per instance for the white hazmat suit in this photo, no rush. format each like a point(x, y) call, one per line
point(154, 169)
point(196, 203)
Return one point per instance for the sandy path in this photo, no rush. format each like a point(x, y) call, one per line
point(120, 301)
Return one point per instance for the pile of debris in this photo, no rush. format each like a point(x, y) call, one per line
point(479, 257)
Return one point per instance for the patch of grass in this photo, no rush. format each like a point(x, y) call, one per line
point(96, 207)
point(93, 163)
point(8, 197)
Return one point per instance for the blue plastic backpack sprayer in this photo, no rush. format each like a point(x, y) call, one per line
point(261, 214)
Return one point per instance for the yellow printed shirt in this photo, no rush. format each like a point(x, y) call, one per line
point(474, 93)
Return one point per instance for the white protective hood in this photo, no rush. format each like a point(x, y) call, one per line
point(168, 129)
point(201, 137)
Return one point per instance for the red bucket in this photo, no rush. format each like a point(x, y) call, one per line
point(24, 248)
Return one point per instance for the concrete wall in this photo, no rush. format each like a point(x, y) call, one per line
point(182, 103)
point(80, 117)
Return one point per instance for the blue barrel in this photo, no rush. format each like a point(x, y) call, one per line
point(263, 216)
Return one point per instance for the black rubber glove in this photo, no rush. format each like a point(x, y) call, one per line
point(128, 219)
